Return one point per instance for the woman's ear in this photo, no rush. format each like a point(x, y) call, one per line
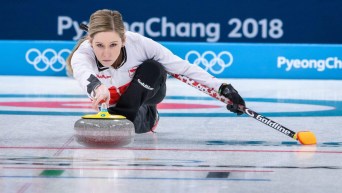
point(90, 41)
point(123, 41)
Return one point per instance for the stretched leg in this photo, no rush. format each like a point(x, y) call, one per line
point(146, 90)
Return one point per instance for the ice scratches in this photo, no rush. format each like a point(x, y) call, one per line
point(32, 162)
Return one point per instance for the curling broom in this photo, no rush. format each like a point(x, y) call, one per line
point(304, 137)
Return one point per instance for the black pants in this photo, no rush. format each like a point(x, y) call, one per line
point(139, 103)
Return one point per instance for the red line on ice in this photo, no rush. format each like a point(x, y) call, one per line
point(177, 149)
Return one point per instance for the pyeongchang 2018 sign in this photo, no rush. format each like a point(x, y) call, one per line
point(222, 60)
point(244, 21)
point(301, 61)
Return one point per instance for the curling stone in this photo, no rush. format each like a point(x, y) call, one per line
point(104, 130)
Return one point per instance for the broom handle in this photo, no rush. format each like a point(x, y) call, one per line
point(211, 92)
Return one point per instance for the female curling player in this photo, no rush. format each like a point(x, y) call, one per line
point(128, 71)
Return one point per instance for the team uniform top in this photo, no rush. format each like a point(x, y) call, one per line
point(137, 49)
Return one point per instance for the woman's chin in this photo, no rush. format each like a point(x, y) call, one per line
point(107, 63)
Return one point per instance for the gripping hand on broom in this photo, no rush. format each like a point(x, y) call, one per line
point(304, 137)
point(228, 91)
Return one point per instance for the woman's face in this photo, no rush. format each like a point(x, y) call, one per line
point(107, 46)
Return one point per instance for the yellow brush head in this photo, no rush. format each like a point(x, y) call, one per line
point(306, 137)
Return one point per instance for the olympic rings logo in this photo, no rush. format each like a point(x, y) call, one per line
point(49, 58)
point(211, 62)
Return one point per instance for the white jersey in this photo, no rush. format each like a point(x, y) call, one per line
point(137, 49)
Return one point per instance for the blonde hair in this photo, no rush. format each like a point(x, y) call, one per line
point(100, 21)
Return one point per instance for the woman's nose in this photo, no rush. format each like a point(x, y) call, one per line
point(106, 52)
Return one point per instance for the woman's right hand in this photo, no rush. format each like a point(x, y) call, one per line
point(102, 95)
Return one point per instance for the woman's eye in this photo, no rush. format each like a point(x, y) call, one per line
point(113, 45)
point(99, 45)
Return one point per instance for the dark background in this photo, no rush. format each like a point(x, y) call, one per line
point(304, 21)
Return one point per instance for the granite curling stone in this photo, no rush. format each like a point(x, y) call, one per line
point(104, 130)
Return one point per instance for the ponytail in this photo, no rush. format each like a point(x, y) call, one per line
point(69, 70)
